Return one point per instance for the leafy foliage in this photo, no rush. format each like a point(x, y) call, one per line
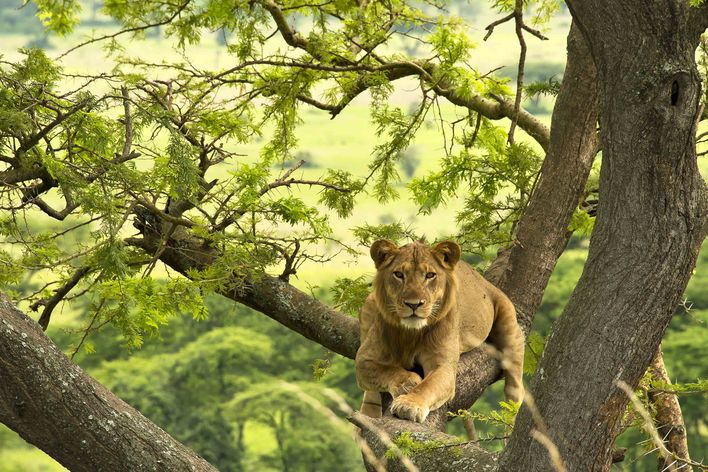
point(350, 294)
point(499, 179)
point(407, 445)
point(501, 419)
point(367, 234)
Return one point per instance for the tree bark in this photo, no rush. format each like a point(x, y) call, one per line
point(54, 405)
point(668, 419)
point(439, 452)
point(650, 224)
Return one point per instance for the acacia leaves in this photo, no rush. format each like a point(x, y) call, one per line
point(167, 158)
point(179, 169)
point(139, 306)
point(496, 180)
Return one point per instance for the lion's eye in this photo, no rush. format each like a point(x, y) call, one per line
point(430, 275)
point(398, 275)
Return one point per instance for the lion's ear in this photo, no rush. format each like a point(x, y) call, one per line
point(448, 253)
point(382, 250)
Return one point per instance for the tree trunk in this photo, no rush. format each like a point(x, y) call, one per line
point(542, 232)
point(668, 419)
point(650, 224)
point(54, 405)
point(523, 271)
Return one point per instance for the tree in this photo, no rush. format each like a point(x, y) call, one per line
point(220, 225)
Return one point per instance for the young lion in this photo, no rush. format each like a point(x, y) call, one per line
point(427, 308)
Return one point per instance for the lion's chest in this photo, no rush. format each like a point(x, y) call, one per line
point(404, 346)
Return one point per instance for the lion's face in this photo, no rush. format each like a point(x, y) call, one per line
point(414, 282)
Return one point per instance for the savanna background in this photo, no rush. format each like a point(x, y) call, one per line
point(231, 383)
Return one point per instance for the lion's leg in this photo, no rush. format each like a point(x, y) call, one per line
point(371, 404)
point(509, 340)
point(378, 377)
point(437, 387)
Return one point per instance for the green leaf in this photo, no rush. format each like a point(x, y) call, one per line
point(350, 294)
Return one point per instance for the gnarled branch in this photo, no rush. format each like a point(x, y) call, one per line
point(54, 405)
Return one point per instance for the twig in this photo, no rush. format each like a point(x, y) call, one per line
point(490, 27)
point(58, 296)
point(127, 122)
point(520, 27)
point(88, 329)
point(519, 22)
point(127, 30)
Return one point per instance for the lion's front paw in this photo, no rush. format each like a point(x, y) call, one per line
point(405, 385)
point(408, 408)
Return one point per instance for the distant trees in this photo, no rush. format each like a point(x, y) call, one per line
point(22, 20)
point(147, 158)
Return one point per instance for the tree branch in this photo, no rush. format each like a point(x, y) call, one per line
point(668, 419)
point(271, 296)
point(441, 448)
point(134, 29)
point(54, 405)
point(541, 234)
point(59, 294)
point(518, 23)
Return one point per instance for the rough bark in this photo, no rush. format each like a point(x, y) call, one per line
point(650, 224)
point(439, 452)
point(54, 405)
point(668, 419)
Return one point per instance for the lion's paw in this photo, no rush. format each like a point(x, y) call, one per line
point(408, 408)
point(406, 385)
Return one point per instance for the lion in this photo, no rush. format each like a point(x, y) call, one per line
point(426, 308)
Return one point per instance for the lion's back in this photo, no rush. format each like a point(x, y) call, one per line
point(476, 299)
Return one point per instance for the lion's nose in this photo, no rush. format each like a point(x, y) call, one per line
point(413, 306)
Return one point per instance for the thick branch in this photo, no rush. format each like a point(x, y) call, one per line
point(496, 110)
point(542, 232)
point(289, 35)
point(54, 405)
point(444, 453)
point(669, 419)
point(275, 298)
point(59, 294)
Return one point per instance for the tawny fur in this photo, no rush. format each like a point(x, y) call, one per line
point(455, 310)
